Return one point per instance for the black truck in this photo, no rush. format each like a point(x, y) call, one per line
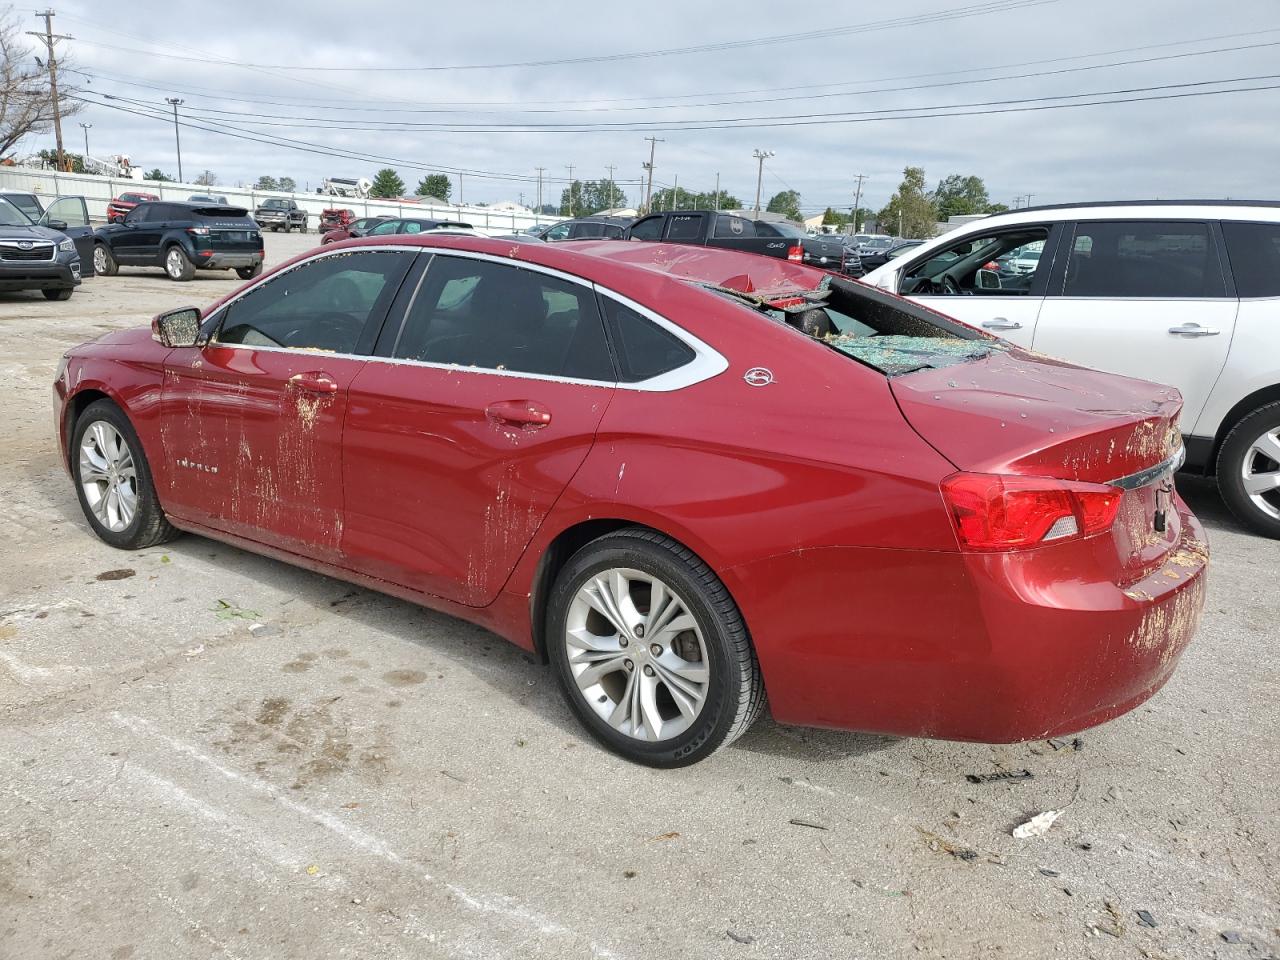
point(281, 214)
point(710, 228)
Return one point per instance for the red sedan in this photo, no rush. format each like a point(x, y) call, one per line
point(117, 208)
point(684, 476)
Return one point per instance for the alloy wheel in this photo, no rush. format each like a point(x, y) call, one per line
point(173, 263)
point(1260, 472)
point(99, 259)
point(637, 654)
point(108, 476)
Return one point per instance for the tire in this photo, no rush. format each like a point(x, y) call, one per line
point(635, 561)
point(104, 262)
point(1253, 448)
point(248, 273)
point(147, 525)
point(62, 294)
point(288, 228)
point(177, 264)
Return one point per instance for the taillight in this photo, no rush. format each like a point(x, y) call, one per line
point(997, 512)
point(795, 253)
point(198, 231)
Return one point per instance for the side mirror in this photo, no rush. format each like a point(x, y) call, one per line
point(987, 280)
point(177, 328)
point(56, 224)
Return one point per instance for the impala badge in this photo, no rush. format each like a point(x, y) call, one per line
point(758, 376)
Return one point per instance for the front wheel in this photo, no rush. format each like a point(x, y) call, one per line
point(104, 263)
point(177, 264)
point(113, 480)
point(62, 294)
point(650, 650)
point(248, 273)
point(1249, 470)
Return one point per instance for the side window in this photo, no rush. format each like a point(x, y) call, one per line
point(321, 305)
point(588, 231)
point(734, 228)
point(560, 231)
point(685, 226)
point(384, 228)
point(645, 350)
point(1143, 259)
point(1003, 264)
point(475, 313)
point(612, 231)
point(650, 228)
point(412, 226)
point(1254, 251)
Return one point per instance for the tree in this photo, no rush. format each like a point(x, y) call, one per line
point(959, 195)
point(287, 184)
point(387, 184)
point(590, 196)
point(786, 203)
point(157, 174)
point(25, 105)
point(833, 218)
point(267, 183)
point(207, 179)
point(707, 201)
point(438, 185)
point(909, 212)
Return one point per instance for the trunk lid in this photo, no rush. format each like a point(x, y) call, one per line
point(1015, 412)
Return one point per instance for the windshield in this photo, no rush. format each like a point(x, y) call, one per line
point(275, 204)
point(1028, 255)
point(789, 230)
point(11, 216)
point(896, 252)
point(878, 243)
point(26, 203)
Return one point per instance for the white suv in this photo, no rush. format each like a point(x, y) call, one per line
point(1185, 293)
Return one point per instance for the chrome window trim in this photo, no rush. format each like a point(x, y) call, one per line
point(707, 362)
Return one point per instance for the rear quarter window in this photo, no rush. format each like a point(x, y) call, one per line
point(1254, 252)
point(645, 350)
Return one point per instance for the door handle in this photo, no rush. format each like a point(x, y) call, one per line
point(1002, 323)
point(314, 381)
point(521, 413)
point(1193, 330)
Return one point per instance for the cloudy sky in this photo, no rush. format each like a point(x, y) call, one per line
point(500, 88)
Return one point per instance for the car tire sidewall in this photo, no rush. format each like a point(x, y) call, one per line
point(188, 268)
point(1230, 459)
point(130, 537)
point(713, 724)
point(109, 265)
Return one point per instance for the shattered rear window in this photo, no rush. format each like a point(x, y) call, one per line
point(896, 355)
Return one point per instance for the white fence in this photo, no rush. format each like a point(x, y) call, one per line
point(97, 191)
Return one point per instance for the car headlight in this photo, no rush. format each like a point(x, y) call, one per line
point(67, 246)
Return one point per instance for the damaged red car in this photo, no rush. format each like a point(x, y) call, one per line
point(695, 481)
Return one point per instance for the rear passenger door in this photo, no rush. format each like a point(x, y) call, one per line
point(469, 422)
point(1145, 298)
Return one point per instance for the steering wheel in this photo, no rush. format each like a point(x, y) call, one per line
point(950, 287)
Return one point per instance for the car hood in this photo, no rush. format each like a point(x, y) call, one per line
point(30, 232)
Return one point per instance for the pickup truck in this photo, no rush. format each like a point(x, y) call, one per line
point(277, 214)
point(709, 228)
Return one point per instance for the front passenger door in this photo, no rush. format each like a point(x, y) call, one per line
point(73, 212)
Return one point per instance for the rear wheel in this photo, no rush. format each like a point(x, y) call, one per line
point(177, 264)
point(103, 262)
point(113, 480)
point(1249, 470)
point(650, 650)
point(63, 294)
point(248, 273)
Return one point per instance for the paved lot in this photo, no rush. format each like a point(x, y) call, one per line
point(362, 778)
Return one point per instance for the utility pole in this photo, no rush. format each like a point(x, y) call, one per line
point(761, 156)
point(50, 38)
point(459, 189)
point(176, 138)
point(541, 171)
point(648, 190)
point(85, 127)
point(610, 169)
point(857, 201)
point(717, 191)
point(675, 193)
point(570, 169)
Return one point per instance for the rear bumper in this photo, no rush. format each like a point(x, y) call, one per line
point(219, 260)
point(991, 648)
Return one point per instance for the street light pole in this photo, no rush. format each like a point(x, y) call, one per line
point(177, 138)
point(648, 190)
point(85, 127)
point(761, 156)
point(50, 38)
point(717, 191)
point(857, 202)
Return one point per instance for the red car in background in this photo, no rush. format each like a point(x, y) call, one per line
point(351, 230)
point(684, 476)
point(117, 208)
point(335, 218)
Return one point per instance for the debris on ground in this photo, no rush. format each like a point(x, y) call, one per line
point(1230, 936)
point(1145, 918)
point(1038, 825)
point(225, 610)
point(1075, 743)
point(124, 573)
point(263, 630)
point(740, 937)
point(1045, 871)
point(629, 874)
point(936, 843)
point(796, 821)
point(671, 835)
point(1000, 776)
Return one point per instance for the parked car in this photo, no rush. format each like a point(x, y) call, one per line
point(1182, 292)
point(28, 203)
point(117, 208)
point(182, 238)
point(356, 228)
point(827, 515)
point(39, 256)
point(204, 198)
point(276, 214)
point(883, 255)
point(412, 225)
point(824, 250)
point(585, 228)
point(335, 218)
point(873, 244)
point(715, 229)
